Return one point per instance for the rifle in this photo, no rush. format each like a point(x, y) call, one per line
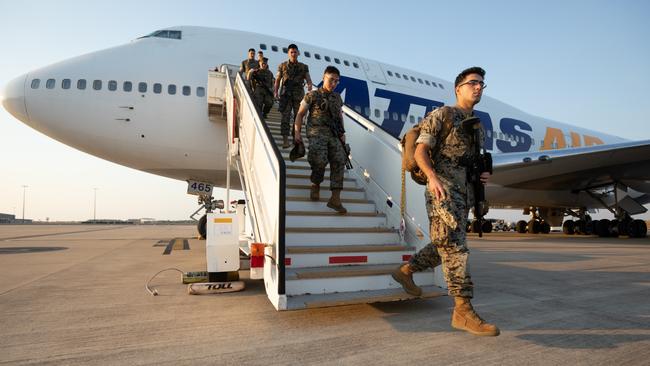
point(481, 163)
point(258, 82)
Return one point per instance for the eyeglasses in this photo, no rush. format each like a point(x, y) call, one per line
point(474, 83)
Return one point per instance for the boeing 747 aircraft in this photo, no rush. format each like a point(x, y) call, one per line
point(143, 105)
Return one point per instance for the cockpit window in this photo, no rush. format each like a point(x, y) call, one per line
point(172, 34)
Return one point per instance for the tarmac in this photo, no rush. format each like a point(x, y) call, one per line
point(75, 295)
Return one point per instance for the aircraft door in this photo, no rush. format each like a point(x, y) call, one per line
point(373, 71)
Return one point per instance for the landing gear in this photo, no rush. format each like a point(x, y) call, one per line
point(624, 226)
point(535, 225)
point(209, 204)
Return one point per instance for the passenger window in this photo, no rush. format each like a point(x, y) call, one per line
point(420, 119)
point(366, 111)
point(412, 119)
point(406, 77)
point(112, 85)
point(386, 115)
point(285, 50)
point(187, 90)
point(274, 48)
point(440, 86)
point(412, 79)
point(307, 54)
point(328, 59)
point(316, 56)
point(200, 91)
point(427, 82)
point(65, 84)
point(262, 46)
point(336, 60)
point(127, 86)
point(390, 73)
point(397, 76)
point(97, 84)
point(157, 88)
point(403, 117)
point(142, 87)
point(488, 133)
point(346, 63)
point(357, 108)
point(36, 83)
point(420, 81)
point(50, 83)
point(171, 89)
point(434, 84)
point(395, 116)
point(377, 113)
point(81, 84)
point(356, 65)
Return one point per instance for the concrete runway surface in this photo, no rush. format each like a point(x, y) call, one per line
point(75, 295)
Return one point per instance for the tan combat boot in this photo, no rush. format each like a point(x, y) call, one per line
point(335, 202)
point(285, 142)
point(465, 318)
point(404, 276)
point(314, 192)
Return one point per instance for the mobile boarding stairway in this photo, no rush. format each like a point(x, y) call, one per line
point(315, 257)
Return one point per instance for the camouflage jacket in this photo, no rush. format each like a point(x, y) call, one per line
point(262, 79)
point(323, 106)
point(457, 147)
point(248, 64)
point(293, 74)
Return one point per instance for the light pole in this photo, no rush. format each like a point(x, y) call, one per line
point(24, 190)
point(95, 206)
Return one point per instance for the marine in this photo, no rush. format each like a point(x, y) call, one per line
point(326, 135)
point(448, 198)
point(249, 63)
point(262, 83)
point(293, 75)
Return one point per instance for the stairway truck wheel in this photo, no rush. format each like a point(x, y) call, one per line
point(521, 226)
point(545, 227)
point(487, 227)
point(602, 228)
point(580, 227)
point(201, 226)
point(568, 227)
point(533, 227)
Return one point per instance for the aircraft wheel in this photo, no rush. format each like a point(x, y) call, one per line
point(602, 228)
point(641, 228)
point(521, 226)
point(487, 227)
point(533, 227)
point(623, 227)
point(613, 228)
point(589, 227)
point(568, 227)
point(545, 227)
point(201, 226)
point(580, 227)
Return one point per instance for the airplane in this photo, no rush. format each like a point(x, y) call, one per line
point(143, 105)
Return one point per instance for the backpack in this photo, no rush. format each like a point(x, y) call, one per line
point(408, 145)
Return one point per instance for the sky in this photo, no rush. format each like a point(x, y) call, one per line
point(580, 62)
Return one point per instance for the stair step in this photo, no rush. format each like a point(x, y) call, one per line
point(305, 204)
point(304, 236)
point(326, 223)
point(349, 249)
point(303, 179)
point(332, 213)
point(326, 193)
point(332, 279)
point(359, 297)
point(353, 255)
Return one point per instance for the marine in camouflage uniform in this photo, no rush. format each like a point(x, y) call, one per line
point(249, 63)
point(262, 83)
point(293, 75)
point(449, 196)
point(325, 132)
point(448, 217)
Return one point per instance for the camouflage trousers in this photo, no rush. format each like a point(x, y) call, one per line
point(448, 222)
point(289, 102)
point(324, 148)
point(263, 100)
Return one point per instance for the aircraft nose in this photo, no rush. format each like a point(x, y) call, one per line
point(13, 98)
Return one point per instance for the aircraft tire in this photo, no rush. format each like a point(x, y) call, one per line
point(602, 228)
point(641, 228)
point(545, 227)
point(568, 227)
point(533, 227)
point(201, 226)
point(487, 227)
point(521, 227)
point(580, 227)
point(589, 227)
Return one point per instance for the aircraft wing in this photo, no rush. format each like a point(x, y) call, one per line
point(576, 169)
